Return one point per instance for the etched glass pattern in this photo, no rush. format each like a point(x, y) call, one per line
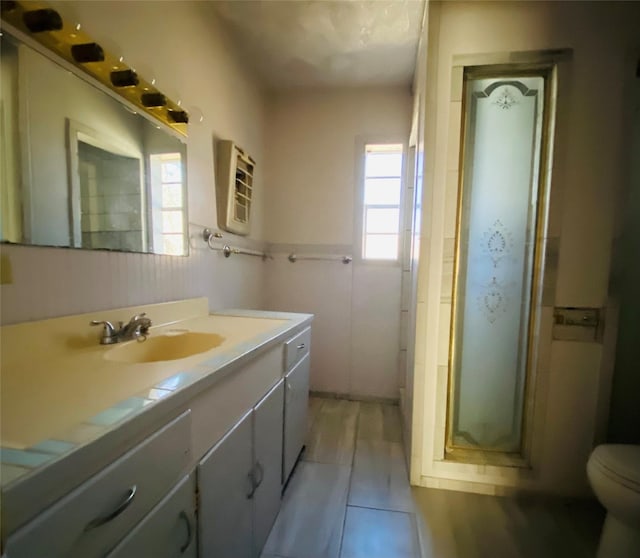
point(495, 261)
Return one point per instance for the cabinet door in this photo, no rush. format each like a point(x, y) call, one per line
point(91, 519)
point(295, 414)
point(267, 420)
point(168, 531)
point(224, 484)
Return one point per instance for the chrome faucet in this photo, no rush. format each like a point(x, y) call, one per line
point(137, 328)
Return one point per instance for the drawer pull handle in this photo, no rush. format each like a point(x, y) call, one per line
point(184, 516)
point(252, 481)
point(99, 521)
point(301, 346)
point(260, 470)
point(257, 472)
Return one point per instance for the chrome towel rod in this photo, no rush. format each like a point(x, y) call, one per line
point(228, 250)
point(293, 258)
point(209, 236)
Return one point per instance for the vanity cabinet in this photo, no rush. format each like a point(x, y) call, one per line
point(267, 443)
point(168, 531)
point(239, 483)
point(207, 483)
point(225, 483)
point(297, 361)
point(90, 520)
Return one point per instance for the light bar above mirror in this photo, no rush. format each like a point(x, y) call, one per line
point(69, 41)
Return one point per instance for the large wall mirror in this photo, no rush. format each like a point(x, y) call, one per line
point(81, 168)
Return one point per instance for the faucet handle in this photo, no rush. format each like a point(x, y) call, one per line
point(108, 326)
point(141, 324)
point(108, 333)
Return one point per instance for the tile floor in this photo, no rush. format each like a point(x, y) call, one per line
point(349, 497)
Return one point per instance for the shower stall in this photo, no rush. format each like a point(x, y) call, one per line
point(497, 263)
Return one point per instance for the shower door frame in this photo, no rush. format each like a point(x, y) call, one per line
point(521, 458)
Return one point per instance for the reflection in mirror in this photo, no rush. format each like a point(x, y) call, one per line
point(106, 193)
point(82, 169)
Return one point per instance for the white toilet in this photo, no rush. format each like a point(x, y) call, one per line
point(614, 473)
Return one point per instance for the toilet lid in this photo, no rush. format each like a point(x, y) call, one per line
point(622, 460)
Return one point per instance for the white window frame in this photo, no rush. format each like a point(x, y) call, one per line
point(157, 212)
point(359, 215)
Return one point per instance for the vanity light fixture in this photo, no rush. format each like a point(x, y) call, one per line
point(152, 100)
point(46, 19)
point(124, 78)
point(35, 21)
point(87, 52)
point(178, 116)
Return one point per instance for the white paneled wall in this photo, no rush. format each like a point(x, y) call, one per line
point(312, 206)
point(375, 331)
point(357, 322)
point(323, 289)
point(48, 282)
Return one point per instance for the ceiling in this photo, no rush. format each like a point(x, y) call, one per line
point(326, 43)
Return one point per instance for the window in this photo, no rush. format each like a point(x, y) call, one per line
point(382, 194)
point(168, 203)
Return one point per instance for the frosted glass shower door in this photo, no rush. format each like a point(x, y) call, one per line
point(495, 262)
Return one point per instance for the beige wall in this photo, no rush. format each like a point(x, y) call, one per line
point(311, 158)
point(184, 47)
point(572, 377)
point(312, 191)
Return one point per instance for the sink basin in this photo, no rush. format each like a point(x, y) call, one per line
point(172, 345)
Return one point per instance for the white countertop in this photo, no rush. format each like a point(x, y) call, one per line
point(60, 393)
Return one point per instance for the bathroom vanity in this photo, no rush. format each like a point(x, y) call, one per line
point(109, 451)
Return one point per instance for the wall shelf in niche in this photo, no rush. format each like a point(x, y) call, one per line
point(234, 187)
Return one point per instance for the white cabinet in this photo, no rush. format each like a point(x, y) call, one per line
point(296, 348)
point(267, 444)
point(168, 531)
point(225, 487)
point(91, 519)
point(239, 483)
point(143, 504)
point(296, 402)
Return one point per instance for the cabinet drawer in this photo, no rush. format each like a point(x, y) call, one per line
point(168, 531)
point(95, 516)
point(296, 348)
